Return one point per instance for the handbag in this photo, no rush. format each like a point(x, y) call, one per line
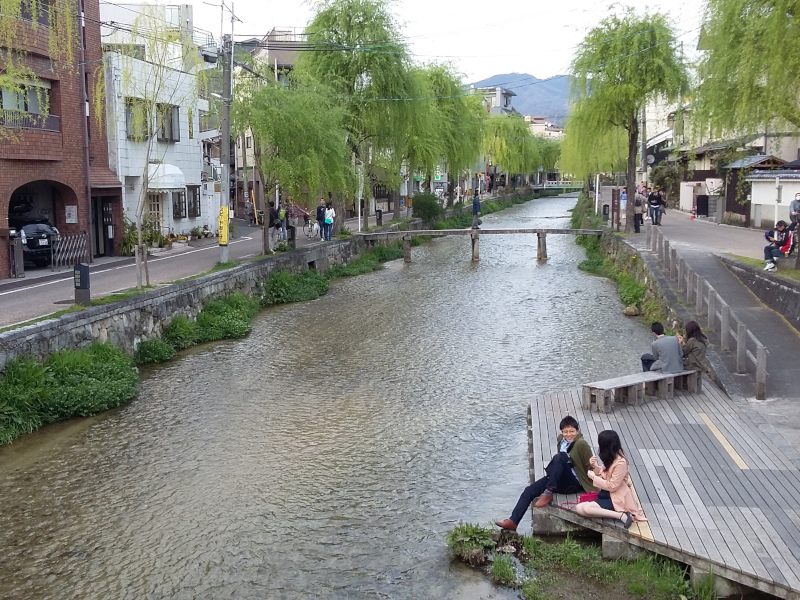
point(587, 497)
point(328, 221)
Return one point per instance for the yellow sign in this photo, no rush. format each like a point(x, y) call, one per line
point(223, 225)
point(253, 202)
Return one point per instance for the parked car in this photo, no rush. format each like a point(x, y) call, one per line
point(36, 236)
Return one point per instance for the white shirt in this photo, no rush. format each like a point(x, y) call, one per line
point(330, 214)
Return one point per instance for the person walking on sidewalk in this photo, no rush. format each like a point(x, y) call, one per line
point(321, 218)
point(476, 210)
point(330, 215)
point(566, 473)
point(638, 210)
point(779, 242)
point(274, 223)
point(654, 204)
point(794, 211)
point(667, 355)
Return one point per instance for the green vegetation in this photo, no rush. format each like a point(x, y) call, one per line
point(181, 333)
point(283, 287)
point(649, 576)
point(221, 266)
point(621, 269)
point(427, 208)
point(71, 383)
point(226, 318)
point(153, 351)
point(367, 262)
point(504, 571)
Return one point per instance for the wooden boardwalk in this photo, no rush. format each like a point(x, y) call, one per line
point(719, 493)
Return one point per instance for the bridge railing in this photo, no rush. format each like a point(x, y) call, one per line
point(563, 183)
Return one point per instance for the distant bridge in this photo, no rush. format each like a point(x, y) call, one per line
point(541, 233)
point(562, 184)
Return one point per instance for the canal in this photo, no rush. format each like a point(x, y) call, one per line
point(327, 454)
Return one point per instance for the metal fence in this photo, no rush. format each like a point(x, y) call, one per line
point(67, 250)
point(704, 300)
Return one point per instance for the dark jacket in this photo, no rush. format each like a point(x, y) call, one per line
point(274, 217)
point(321, 213)
point(580, 453)
point(780, 237)
point(476, 205)
point(694, 355)
point(654, 199)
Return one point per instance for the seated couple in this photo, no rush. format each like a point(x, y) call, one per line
point(673, 354)
point(575, 470)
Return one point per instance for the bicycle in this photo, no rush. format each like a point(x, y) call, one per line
point(311, 229)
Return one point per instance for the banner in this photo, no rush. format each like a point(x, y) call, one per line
point(223, 225)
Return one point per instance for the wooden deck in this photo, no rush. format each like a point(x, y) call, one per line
point(718, 492)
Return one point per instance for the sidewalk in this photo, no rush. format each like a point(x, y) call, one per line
point(698, 243)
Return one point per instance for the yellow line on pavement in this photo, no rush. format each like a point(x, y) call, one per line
point(724, 442)
point(640, 528)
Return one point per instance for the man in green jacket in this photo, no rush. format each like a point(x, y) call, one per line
point(567, 473)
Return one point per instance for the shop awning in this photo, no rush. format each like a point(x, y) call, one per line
point(165, 177)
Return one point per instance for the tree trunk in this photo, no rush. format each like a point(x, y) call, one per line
point(633, 148)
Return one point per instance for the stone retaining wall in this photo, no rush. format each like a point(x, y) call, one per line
point(143, 317)
point(781, 295)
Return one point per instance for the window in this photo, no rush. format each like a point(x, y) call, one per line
point(137, 119)
point(191, 123)
point(29, 99)
point(154, 208)
point(178, 205)
point(193, 199)
point(249, 141)
point(169, 123)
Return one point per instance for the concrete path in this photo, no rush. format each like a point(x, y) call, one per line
point(699, 242)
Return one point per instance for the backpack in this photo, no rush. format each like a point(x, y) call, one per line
point(638, 202)
point(282, 214)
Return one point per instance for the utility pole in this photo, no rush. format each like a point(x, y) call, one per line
point(225, 149)
point(643, 133)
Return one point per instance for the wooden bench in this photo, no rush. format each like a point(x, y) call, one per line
point(629, 389)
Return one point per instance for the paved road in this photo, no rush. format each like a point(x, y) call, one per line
point(43, 292)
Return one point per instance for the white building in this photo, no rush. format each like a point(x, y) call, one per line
point(541, 127)
point(150, 99)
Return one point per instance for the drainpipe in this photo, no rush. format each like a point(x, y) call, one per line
point(86, 132)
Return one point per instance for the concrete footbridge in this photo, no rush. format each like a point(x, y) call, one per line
point(475, 235)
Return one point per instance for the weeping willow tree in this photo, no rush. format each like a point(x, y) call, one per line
point(156, 68)
point(585, 152)
point(620, 65)
point(508, 143)
point(23, 23)
point(299, 131)
point(750, 70)
point(357, 51)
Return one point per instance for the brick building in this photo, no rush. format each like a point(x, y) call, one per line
point(43, 171)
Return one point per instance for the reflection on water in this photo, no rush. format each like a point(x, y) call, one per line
point(328, 453)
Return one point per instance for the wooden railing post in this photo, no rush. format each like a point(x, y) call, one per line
point(681, 275)
point(648, 234)
point(673, 265)
point(541, 250)
point(667, 257)
point(741, 349)
point(700, 296)
point(725, 328)
point(690, 288)
point(712, 308)
point(761, 373)
point(660, 246)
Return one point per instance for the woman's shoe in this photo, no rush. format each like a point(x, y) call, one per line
point(629, 521)
point(506, 524)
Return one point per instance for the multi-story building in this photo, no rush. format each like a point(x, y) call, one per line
point(497, 100)
point(55, 165)
point(155, 121)
point(541, 127)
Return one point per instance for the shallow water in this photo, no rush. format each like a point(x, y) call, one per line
point(327, 454)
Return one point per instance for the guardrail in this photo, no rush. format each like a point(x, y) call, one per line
point(562, 183)
point(705, 301)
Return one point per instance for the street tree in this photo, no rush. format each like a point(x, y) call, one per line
point(356, 48)
point(750, 71)
point(620, 65)
point(508, 143)
point(299, 134)
point(159, 73)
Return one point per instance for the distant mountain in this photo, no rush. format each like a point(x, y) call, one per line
point(535, 97)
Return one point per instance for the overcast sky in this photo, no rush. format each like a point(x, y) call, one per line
point(480, 37)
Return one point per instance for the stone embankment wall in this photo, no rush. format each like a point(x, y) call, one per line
point(781, 295)
point(143, 317)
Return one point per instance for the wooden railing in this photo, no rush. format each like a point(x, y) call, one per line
point(704, 300)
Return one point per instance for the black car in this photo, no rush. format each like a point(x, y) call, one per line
point(36, 238)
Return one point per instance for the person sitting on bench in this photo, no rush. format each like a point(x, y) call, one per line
point(615, 500)
point(566, 473)
point(694, 349)
point(667, 355)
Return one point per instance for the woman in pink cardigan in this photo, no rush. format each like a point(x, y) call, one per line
point(615, 500)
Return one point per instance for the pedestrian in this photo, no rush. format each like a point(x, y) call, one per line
point(667, 355)
point(623, 201)
point(566, 473)
point(615, 500)
point(694, 348)
point(794, 211)
point(780, 242)
point(638, 209)
point(274, 223)
point(654, 205)
point(476, 210)
point(330, 215)
point(282, 217)
point(250, 213)
point(321, 218)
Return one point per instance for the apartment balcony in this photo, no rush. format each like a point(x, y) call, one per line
point(15, 119)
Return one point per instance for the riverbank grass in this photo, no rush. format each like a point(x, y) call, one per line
point(793, 275)
point(551, 570)
point(71, 383)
